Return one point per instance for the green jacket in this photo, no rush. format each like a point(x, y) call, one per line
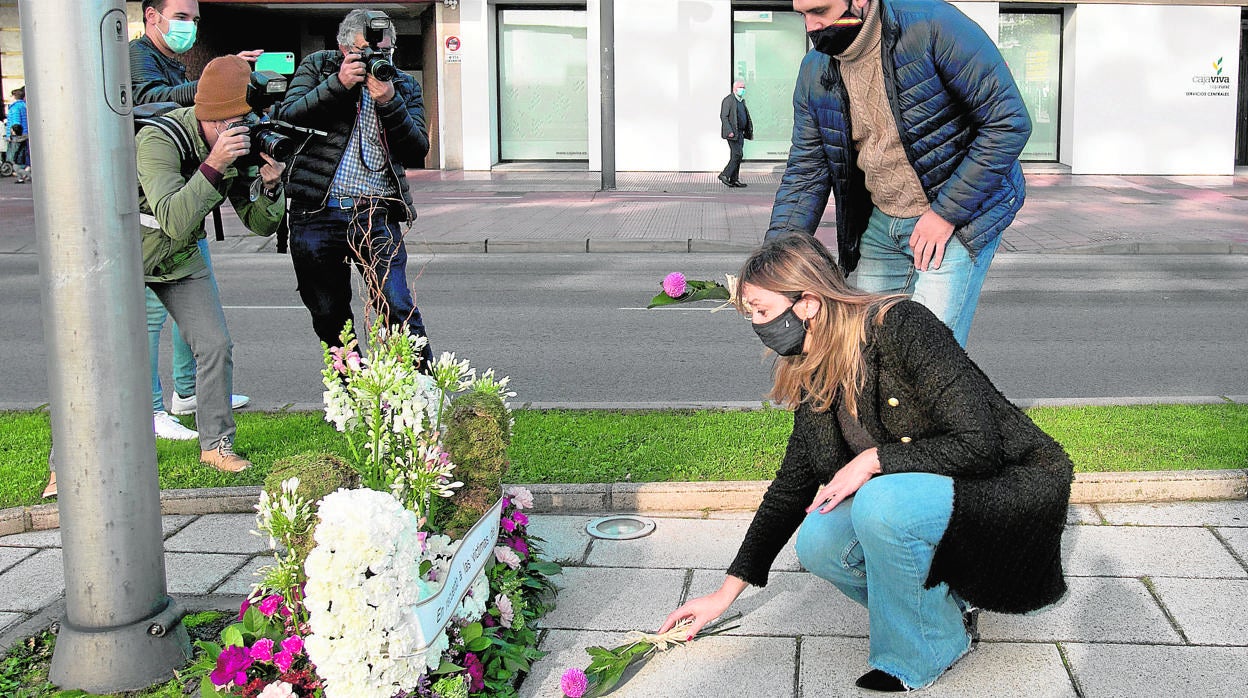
point(179, 205)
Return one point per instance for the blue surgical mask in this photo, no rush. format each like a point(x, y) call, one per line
point(741, 92)
point(181, 35)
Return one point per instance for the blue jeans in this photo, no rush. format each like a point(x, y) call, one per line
point(950, 292)
point(325, 244)
point(183, 358)
point(877, 548)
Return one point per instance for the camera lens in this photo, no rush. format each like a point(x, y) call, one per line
point(380, 68)
point(275, 145)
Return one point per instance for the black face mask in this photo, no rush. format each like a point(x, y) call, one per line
point(833, 39)
point(784, 335)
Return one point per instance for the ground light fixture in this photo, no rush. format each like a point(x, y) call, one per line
point(620, 527)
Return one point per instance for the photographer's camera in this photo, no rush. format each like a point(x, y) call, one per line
point(377, 61)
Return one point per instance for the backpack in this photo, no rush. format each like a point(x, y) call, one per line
point(156, 115)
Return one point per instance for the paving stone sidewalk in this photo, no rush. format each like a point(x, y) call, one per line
point(1158, 606)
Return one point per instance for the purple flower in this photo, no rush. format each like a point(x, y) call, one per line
point(507, 525)
point(293, 644)
point(674, 284)
point(242, 610)
point(283, 660)
point(270, 604)
point(520, 518)
point(574, 683)
point(517, 544)
point(232, 666)
point(476, 673)
point(262, 650)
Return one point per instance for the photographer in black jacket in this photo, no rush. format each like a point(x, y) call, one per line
point(348, 191)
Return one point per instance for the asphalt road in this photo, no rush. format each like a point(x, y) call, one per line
point(572, 328)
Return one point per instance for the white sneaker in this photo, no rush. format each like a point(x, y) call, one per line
point(169, 428)
point(186, 405)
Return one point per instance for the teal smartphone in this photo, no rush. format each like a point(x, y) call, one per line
point(277, 61)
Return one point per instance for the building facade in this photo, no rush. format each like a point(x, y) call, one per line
point(1150, 87)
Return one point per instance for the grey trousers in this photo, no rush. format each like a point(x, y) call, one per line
point(196, 307)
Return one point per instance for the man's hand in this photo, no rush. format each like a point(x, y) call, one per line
point(928, 240)
point(250, 56)
point(352, 71)
point(271, 172)
point(232, 144)
point(380, 90)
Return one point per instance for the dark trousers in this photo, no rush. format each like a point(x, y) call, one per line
point(733, 169)
point(324, 245)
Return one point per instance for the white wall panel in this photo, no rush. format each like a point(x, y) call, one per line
point(985, 14)
point(672, 68)
point(1138, 95)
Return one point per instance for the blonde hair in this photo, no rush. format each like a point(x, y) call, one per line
point(796, 265)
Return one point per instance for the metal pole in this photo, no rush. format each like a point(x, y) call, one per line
point(606, 22)
point(121, 630)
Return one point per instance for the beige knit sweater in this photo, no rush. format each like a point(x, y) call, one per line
point(894, 187)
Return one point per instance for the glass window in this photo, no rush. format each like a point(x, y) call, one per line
point(1031, 43)
point(543, 111)
point(767, 50)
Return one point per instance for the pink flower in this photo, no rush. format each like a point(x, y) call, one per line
point(506, 611)
point(262, 650)
point(270, 604)
point(278, 689)
point(517, 544)
point(507, 556)
point(293, 644)
point(232, 666)
point(242, 610)
point(507, 525)
point(520, 519)
point(674, 284)
point(521, 497)
point(476, 673)
point(574, 683)
point(283, 660)
point(344, 360)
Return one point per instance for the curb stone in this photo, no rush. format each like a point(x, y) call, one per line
point(685, 497)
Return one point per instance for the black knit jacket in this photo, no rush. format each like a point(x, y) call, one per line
point(318, 99)
point(932, 410)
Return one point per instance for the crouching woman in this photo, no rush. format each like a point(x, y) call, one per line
point(914, 486)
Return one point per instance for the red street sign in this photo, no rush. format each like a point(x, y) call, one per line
point(452, 43)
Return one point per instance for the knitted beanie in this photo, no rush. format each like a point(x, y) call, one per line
point(222, 90)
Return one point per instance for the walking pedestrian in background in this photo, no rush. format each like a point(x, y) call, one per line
point(736, 128)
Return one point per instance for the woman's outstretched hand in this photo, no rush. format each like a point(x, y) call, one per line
point(846, 481)
point(705, 609)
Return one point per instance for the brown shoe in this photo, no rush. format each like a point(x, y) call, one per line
point(224, 458)
point(50, 490)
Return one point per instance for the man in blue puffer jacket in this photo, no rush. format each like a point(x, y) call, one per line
point(906, 113)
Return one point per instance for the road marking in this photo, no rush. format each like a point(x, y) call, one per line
point(262, 307)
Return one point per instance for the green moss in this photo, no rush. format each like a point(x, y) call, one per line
point(319, 474)
point(476, 437)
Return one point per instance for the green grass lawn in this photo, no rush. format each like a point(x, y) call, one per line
point(677, 445)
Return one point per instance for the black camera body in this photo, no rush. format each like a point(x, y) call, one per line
point(267, 87)
point(376, 61)
point(277, 139)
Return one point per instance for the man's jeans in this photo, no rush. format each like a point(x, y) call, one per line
point(324, 245)
point(894, 522)
point(183, 358)
point(950, 292)
point(196, 306)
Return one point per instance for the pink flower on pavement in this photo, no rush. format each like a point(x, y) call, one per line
point(507, 556)
point(262, 650)
point(674, 284)
point(283, 660)
point(270, 604)
point(278, 689)
point(293, 644)
point(574, 683)
point(520, 497)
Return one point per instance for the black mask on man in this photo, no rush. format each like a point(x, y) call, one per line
point(784, 335)
point(833, 39)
